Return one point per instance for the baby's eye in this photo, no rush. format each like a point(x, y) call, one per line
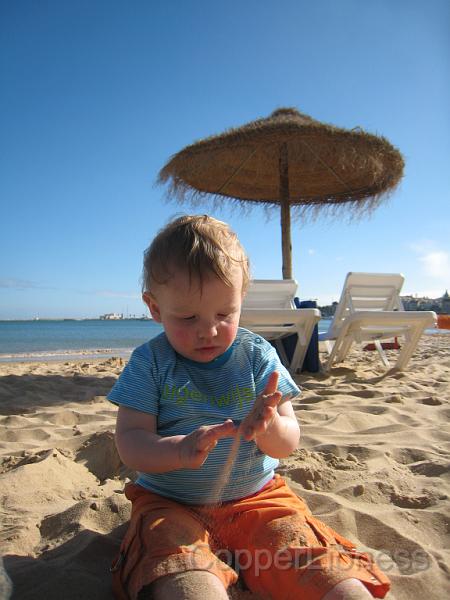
point(223, 315)
point(190, 318)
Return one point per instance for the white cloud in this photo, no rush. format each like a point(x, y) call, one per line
point(14, 283)
point(436, 264)
point(421, 247)
point(112, 294)
point(311, 251)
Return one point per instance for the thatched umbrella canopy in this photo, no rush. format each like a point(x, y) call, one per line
point(288, 159)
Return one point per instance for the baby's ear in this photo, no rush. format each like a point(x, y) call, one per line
point(153, 306)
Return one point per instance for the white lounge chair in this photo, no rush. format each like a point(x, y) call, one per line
point(269, 310)
point(370, 309)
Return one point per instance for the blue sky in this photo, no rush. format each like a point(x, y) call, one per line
point(97, 95)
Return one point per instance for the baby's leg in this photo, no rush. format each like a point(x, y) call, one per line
point(190, 585)
point(288, 553)
point(167, 544)
point(349, 589)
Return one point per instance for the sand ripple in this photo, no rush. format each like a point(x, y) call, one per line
point(374, 464)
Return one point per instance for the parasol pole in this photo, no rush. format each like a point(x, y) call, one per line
point(286, 247)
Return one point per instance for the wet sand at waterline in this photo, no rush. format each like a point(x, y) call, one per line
point(373, 464)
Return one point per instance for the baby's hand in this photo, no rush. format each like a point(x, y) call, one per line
point(195, 447)
point(263, 411)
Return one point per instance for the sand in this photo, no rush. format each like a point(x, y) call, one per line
point(373, 464)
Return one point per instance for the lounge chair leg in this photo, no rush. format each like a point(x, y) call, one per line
point(411, 340)
point(382, 353)
point(335, 348)
point(344, 349)
point(282, 353)
point(300, 349)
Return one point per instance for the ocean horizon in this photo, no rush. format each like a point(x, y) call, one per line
point(56, 339)
point(72, 339)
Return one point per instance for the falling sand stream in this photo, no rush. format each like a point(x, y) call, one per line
point(215, 495)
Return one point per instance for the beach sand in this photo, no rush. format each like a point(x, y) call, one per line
point(373, 464)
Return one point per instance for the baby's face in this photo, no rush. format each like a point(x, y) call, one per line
point(200, 324)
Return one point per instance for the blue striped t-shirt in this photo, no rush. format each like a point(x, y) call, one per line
point(184, 395)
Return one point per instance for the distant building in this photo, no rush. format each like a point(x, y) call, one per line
point(445, 303)
point(111, 317)
point(439, 305)
point(423, 303)
point(410, 303)
point(328, 311)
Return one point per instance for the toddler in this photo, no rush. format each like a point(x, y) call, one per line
point(205, 412)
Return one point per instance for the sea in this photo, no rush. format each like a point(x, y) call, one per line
point(45, 340)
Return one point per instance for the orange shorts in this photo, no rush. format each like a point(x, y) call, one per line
point(270, 538)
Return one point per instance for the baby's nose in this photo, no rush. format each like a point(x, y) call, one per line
point(207, 330)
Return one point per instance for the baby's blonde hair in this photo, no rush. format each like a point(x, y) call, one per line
point(197, 244)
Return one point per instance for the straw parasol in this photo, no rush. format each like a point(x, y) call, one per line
point(288, 160)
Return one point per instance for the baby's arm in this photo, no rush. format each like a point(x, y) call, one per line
point(272, 422)
point(142, 449)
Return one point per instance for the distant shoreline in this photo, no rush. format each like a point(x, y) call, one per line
point(56, 339)
point(102, 353)
point(65, 355)
point(77, 319)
